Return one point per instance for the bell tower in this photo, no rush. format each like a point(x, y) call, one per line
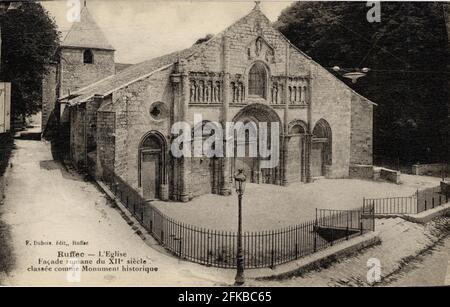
point(85, 55)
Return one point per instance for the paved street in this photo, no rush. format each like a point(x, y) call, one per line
point(400, 240)
point(432, 269)
point(44, 202)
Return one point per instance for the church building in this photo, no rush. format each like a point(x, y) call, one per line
point(118, 119)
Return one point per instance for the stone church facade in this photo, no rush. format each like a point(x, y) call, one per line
point(120, 120)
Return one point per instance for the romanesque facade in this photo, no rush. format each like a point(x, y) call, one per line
point(248, 73)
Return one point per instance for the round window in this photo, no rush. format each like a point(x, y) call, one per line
point(158, 110)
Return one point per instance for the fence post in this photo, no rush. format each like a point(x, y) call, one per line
point(272, 260)
point(346, 229)
point(432, 201)
point(332, 236)
point(315, 233)
point(361, 227)
point(417, 201)
point(207, 247)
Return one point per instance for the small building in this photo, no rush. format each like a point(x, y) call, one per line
point(121, 121)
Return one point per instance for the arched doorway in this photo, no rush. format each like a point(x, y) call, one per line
point(296, 151)
point(250, 117)
point(205, 166)
point(321, 150)
point(151, 165)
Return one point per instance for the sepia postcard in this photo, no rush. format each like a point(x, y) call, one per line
point(236, 145)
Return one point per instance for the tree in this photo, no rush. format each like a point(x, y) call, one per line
point(206, 38)
point(408, 54)
point(29, 43)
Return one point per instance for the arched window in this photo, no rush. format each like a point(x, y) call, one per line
point(257, 79)
point(297, 129)
point(322, 147)
point(88, 56)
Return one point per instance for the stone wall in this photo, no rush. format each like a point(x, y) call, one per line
point(49, 96)
point(76, 75)
point(83, 135)
point(361, 131)
point(434, 169)
point(390, 175)
point(132, 106)
point(361, 171)
point(105, 141)
point(294, 160)
point(91, 126)
point(331, 101)
point(77, 136)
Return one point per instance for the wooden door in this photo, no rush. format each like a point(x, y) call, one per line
point(151, 175)
point(316, 160)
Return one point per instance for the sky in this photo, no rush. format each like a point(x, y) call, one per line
point(143, 29)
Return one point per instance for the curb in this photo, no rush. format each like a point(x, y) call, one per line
point(428, 215)
point(319, 259)
point(302, 265)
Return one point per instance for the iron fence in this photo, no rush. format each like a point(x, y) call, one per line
point(420, 201)
point(393, 205)
point(260, 248)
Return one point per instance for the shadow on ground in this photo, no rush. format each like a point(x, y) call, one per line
point(6, 256)
point(66, 171)
point(31, 136)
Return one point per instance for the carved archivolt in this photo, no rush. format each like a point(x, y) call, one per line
point(205, 88)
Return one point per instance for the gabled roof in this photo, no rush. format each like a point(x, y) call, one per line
point(145, 69)
point(139, 71)
point(128, 76)
point(86, 34)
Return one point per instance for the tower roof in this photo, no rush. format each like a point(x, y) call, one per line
point(86, 34)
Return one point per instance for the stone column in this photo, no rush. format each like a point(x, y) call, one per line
point(180, 82)
point(164, 188)
point(186, 161)
point(308, 136)
point(308, 146)
point(285, 140)
point(225, 161)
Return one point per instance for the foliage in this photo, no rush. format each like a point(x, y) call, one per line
point(408, 55)
point(29, 42)
point(201, 40)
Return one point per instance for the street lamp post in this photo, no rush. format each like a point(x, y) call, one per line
point(239, 181)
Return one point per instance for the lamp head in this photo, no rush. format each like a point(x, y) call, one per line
point(239, 181)
point(336, 68)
